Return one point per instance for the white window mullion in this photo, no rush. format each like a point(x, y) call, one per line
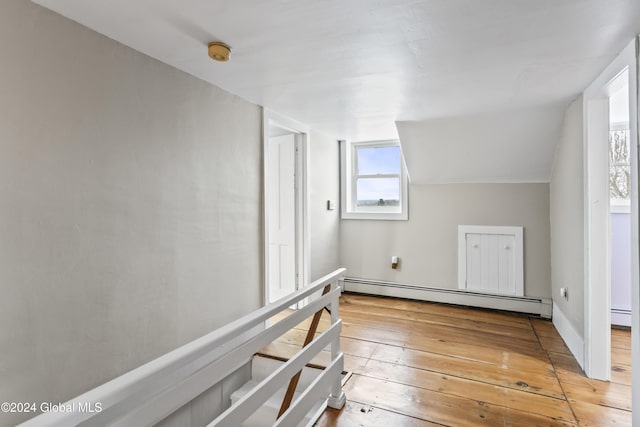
point(380, 175)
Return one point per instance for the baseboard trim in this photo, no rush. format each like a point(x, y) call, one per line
point(620, 317)
point(571, 337)
point(529, 305)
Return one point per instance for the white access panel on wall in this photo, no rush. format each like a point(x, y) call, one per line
point(490, 259)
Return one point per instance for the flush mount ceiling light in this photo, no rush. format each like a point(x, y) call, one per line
point(219, 51)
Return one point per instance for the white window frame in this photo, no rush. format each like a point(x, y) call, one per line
point(348, 184)
point(618, 205)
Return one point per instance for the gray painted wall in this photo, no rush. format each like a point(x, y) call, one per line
point(129, 207)
point(427, 243)
point(567, 218)
point(324, 185)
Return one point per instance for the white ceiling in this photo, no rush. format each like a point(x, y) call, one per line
point(352, 68)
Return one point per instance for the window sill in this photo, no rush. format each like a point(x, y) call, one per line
point(382, 216)
point(620, 208)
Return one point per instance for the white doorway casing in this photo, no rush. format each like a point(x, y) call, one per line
point(597, 306)
point(286, 245)
point(598, 273)
point(620, 219)
point(634, 120)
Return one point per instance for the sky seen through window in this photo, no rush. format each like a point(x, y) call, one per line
point(378, 161)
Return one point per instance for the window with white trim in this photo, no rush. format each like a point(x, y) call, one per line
point(619, 167)
point(374, 181)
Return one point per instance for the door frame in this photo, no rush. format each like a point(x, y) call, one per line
point(302, 137)
point(597, 255)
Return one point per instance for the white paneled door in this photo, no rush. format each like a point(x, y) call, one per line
point(491, 263)
point(282, 216)
point(490, 259)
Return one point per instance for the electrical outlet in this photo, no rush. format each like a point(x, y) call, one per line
point(564, 293)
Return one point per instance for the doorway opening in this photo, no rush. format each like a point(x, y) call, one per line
point(285, 206)
point(620, 201)
point(603, 176)
point(619, 181)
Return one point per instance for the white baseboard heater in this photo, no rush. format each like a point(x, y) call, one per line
point(530, 305)
point(620, 316)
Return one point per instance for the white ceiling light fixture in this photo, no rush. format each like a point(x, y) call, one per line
point(219, 51)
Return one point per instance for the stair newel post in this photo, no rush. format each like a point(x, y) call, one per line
point(337, 398)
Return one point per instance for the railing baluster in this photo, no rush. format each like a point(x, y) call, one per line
point(311, 333)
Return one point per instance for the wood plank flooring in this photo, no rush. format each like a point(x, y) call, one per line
point(423, 364)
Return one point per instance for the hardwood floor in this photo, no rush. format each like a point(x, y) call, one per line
point(423, 364)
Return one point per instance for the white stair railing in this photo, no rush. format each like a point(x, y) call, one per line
point(150, 393)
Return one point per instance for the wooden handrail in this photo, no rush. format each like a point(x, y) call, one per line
point(293, 383)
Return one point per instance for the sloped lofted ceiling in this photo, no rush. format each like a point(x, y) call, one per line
point(353, 68)
point(505, 146)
